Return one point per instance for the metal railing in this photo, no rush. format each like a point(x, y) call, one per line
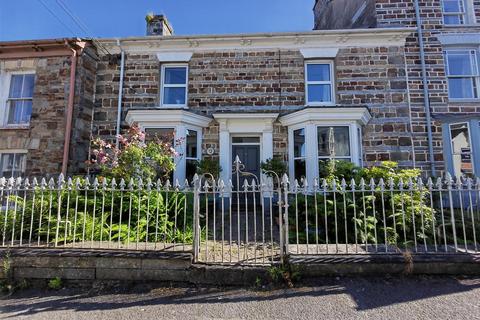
point(248, 220)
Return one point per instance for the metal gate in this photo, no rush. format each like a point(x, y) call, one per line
point(241, 221)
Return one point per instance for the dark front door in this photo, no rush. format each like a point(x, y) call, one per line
point(250, 157)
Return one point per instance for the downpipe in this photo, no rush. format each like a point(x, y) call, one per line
point(120, 94)
point(426, 94)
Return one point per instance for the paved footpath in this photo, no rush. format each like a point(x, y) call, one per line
point(330, 298)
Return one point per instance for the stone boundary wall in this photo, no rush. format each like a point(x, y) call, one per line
point(94, 265)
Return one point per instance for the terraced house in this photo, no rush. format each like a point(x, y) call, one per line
point(364, 79)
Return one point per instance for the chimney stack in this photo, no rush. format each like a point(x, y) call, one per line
point(158, 25)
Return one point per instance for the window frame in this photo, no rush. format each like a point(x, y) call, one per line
point(462, 14)
point(6, 79)
point(350, 157)
point(332, 82)
point(23, 153)
point(474, 54)
point(302, 158)
point(311, 145)
point(473, 130)
point(163, 85)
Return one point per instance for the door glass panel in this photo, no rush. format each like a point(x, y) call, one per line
point(245, 140)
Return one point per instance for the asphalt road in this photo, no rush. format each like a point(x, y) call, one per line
point(330, 298)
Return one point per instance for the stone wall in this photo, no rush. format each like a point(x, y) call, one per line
point(45, 137)
point(270, 81)
point(402, 13)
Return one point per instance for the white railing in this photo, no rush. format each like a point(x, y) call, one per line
point(249, 220)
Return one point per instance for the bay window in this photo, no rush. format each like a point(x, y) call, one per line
point(463, 74)
point(319, 84)
point(174, 86)
point(191, 154)
point(461, 148)
point(299, 155)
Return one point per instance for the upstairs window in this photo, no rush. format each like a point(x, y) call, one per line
point(453, 12)
point(319, 83)
point(19, 101)
point(174, 86)
point(462, 73)
point(12, 164)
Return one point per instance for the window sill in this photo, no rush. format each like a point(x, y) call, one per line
point(329, 104)
point(18, 127)
point(463, 101)
point(468, 25)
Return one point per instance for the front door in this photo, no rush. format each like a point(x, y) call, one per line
point(250, 157)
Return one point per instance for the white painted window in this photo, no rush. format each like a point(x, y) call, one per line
point(454, 12)
point(174, 86)
point(333, 144)
point(462, 156)
point(319, 83)
point(463, 74)
point(299, 154)
point(12, 164)
point(18, 99)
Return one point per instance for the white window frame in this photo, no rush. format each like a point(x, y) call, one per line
point(5, 81)
point(199, 146)
point(14, 152)
point(311, 146)
point(452, 153)
point(163, 85)
point(331, 83)
point(462, 14)
point(350, 157)
point(474, 55)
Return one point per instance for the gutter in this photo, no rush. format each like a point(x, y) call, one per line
point(120, 93)
point(69, 119)
point(426, 94)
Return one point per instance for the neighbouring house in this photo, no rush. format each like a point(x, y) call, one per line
point(447, 91)
point(358, 79)
point(44, 127)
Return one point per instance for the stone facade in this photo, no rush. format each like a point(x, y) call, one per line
point(44, 138)
point(270, 81)
point(401, 13)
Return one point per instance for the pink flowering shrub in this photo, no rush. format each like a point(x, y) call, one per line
point(135, 157)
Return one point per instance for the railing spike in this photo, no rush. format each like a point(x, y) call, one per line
point(167, 185)
point(34, 183)
point(51, 183)
point(353, 185)
point(186, 184)
point(430, 183)
point(439, 183)
point(122, 184)
point(95, 183)
point(26, 183)
point(372, 184)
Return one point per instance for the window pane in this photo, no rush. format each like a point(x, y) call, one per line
point(12, 164)
point(28, 85)
point(319, 93)
point(245, 140)
point(318, 72)
point(163, 134)
point(16, 86)
point(453, 19)
point(19, 112)
point(452, 6)
point(175, 75)
point(333, 141)
point(462, 156)
point(192, 144)
point(460, 64)
point(191, 170)
point(461, 88)
point(174, 96)
point(299, 143)
point(300, 169)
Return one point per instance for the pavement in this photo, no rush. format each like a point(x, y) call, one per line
point(326, 298)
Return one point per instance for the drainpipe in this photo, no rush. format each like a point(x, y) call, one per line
point(71, 97)
point(426, 94)
point(120, 93)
